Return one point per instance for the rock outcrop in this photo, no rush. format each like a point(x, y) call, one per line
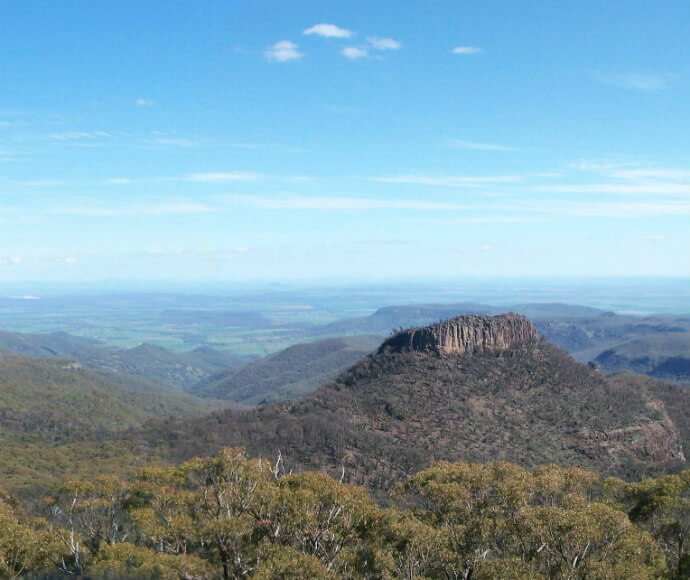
point(655, 438)
point(465, 334)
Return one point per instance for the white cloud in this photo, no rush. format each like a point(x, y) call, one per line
point(353, 52)
point(655, 237)
point(447, 181)
point(655, 188)
point(615, 209)
point(15, 259)
point(488, 219)
point(42, 183)
point(283, 51)
point(474, 146)
point(328, 31)
point(226, 177)
point(467, 50)
point(171, 142)
point(172, 207)
point(672, 174)
point(302, 202)
point(145, 102)
point(384, 43)
point(648, 83)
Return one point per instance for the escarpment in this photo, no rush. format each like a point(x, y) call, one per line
point(465, 334)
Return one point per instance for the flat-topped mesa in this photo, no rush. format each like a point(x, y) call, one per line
point(471, 333)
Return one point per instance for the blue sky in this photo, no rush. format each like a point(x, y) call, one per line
point(343, 140)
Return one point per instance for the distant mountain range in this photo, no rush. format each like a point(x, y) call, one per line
point(156, 367)
point(655, 345)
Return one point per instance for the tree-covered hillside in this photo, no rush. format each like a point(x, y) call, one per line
point(393, 413)
point(290, 373)
point(58, 419)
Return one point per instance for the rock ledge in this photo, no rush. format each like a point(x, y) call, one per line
point(469, 333)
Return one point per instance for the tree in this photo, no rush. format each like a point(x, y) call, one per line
point(662, 506)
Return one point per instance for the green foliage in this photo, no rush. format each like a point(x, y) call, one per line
point(229, 516)
point(661, 506)
point(500, 519)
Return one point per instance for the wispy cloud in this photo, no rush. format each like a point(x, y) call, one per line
point(649, 83)
point(145, 102)
point(328, 31)
point(6, 155)
point(167, 207)
point(654, 237)
point(223, 177)
point(354, 52)
point(489, 219)
point(661, 173)
point(40, 183)
point(283, 51)
point(378, 43)
point(476, 146)
point(655, 188)
point(171, 142)
point(448, 181)
point(277, 147)
point(207, 177)
point(615, 209)
point(302, 202)
point(467, 50)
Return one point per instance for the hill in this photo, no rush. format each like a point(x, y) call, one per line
point(411, 315)
point(182, 370)
point(586, 333)
point(156, 367)
point(54, 344)
point(472, 388)
point(290, 373)
point(664, 355)
point(60, 399)
point(60, 420)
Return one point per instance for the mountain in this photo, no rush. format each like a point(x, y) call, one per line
point(290, 373)
point(386, 319)
point(154, 366)
point(586, 333)
point(664, 355)
point(179, 369)
point(474, 387)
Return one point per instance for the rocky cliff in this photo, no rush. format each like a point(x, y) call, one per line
point(465, 334)
point(654, 438)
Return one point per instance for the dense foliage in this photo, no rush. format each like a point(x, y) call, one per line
point(229, 516)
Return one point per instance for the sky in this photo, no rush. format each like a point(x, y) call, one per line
point(343, 140)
